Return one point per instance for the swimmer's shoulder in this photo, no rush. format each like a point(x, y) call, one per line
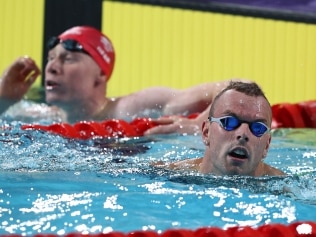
point(113, 109)
point(272, 171)
point(186, 165)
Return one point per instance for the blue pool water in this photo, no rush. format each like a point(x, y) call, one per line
point(49, 184)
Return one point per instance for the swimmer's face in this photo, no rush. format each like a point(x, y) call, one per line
point(237, 152)
point(69, 76)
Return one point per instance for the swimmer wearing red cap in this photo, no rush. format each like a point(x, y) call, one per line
point(80, 63)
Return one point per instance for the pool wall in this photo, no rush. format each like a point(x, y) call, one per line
point(176, 47)
point(22, 24)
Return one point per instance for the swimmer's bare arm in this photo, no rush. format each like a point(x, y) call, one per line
point(171, 101)
point(193, 99)
point(16, 81)
point(197, 99)
point(160, 100)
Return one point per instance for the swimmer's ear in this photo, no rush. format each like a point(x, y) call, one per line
point(205, 129)
point(101, 77)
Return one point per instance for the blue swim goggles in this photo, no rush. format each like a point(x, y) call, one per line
point(230, 123)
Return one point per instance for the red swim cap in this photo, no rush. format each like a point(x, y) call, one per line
point(98, 46)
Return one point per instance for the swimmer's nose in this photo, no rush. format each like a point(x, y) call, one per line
point(53, 66)
point(243, 133)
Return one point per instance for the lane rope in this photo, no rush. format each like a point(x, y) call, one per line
point(295, 229)
point(285, 115)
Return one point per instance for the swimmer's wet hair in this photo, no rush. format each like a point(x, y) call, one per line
point(247, 88)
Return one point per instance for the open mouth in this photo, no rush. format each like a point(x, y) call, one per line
point(239, 153)
point(50, 85)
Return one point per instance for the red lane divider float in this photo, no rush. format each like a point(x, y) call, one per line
point(285, 115)
point(88, 129)
point(296, 229)
point(297, 115)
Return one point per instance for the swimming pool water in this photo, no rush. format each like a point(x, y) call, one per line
point(49, 184)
